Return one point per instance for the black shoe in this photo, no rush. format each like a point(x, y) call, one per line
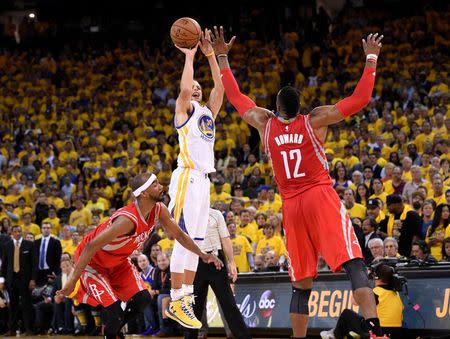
point(79, 332)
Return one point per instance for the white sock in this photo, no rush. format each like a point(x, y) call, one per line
point(188, 289)
point(176, 294)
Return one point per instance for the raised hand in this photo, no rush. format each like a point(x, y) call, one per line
point(217, 41)
point(189, 52)
point(373, 44)
point(205, 45)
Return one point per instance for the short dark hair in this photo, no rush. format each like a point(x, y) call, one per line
point(373, 223)
point(385, 273)
point(289, 100)
point(139, 180)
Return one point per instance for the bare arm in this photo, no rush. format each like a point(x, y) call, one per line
point(171, 227)
point(323, 116)
point(252, 114)
point(183, 104)
point(120, 226)
point(258, 117)
point(227, 247)
point(216, 97)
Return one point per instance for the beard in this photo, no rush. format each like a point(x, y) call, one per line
point(159, 197)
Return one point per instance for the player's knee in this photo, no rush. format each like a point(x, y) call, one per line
point(304, 284)
point(357, 274)
point(299, 301)
point(141, 300)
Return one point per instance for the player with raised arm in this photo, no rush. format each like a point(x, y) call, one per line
point(312, 211)
point(190, 186)
point(104, 274)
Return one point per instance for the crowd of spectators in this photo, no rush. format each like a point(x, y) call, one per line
point(77, 125)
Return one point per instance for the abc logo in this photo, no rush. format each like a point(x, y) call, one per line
point(266, 303)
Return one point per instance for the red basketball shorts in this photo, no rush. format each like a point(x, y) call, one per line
point(104, 286)
point(316, 223)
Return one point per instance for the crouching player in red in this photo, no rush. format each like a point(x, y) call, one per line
point(314, 218)
point(104, 274)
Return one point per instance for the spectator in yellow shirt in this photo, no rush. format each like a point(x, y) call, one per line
point(54, 220)
point(354, 209)
point(167, 244)
point(271, 204)
point(270, 242)
point(438, 190)
point(374, 210)
point(436, 233)
point(29, 227)
point(96, 204)
point(378, 191)
point(349, 159)
point(247, 227)
point(81, 215)
point(242, 250)
point(219, 194)
point(67, 240)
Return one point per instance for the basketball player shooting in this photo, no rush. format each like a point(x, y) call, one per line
point(189, 186)
point(104, 274)
point(312, 210)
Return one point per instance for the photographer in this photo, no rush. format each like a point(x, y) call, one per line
point(389, 308)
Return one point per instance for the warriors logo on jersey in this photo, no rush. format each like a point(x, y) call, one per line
point(206, 126)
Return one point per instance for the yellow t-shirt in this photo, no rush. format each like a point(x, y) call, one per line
point(357, 211)
point(382, 197)
point(67, 246)
point(349, 162)
point(57, 202)
point(389, 308)
point(388, 187)
point(250, 231)
point(436, 250)
point(83, 216)
point(32, 228)
point(225, 197)
point(166, 245)
point(274, 206)
point(241, 247)
point(273, 244)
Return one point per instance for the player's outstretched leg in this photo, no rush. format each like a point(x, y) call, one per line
point(180, 307)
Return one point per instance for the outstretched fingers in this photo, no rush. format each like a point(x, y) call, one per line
point(216, 32)
point(378, 41)
point(230, 44)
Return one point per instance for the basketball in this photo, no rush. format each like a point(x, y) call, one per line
point(185, 32)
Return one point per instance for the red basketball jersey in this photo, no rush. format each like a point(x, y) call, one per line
point(118, 250)
point(297, 155)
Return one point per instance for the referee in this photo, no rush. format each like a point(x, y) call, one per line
point(217, 241)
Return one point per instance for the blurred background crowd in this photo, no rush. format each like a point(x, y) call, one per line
point(80, 120)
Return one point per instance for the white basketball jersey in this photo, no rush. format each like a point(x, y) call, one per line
point(196, 138)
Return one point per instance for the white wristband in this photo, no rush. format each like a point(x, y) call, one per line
point(372, 57)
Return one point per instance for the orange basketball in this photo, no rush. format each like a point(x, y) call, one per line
point(185, 32)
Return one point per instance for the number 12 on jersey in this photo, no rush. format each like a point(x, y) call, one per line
point(296, 155)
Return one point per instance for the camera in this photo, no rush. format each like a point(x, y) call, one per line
point(397, 281)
